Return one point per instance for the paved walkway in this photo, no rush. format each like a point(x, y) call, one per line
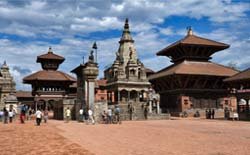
point(28, 139)
point(166, 137)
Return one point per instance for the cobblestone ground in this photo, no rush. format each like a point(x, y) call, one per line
point(166, 137)
point(22, 139)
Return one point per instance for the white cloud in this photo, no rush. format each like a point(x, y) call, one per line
point(66, 19)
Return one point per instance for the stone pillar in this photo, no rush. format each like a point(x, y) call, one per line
point(158, 107)
point(150, 106)
point(118, 96)
point(91, 94)
point(86, 74)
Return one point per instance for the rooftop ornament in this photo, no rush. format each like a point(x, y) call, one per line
point(189, 30)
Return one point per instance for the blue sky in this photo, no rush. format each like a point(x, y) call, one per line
point(28, 28)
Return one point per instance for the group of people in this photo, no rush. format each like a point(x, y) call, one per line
point(112, 115)
point(83, 115)
point(7, 116)
point(41, 115)
point(210, 113)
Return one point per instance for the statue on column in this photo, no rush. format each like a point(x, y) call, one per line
point(91, 56)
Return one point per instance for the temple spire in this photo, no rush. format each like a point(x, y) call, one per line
point(126, 37)
point(126, 25)
point(4, 66)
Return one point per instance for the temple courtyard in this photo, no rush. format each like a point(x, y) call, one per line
point(172, 137)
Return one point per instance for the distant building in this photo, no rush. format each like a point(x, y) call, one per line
point(7, 84)
point(25, 97)
point(193, 82)
point(239, 85)
point(50, 86)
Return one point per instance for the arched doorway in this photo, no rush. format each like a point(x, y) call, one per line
point(51, 104)
point(41, 104)
point(133, 95)
point(124, 95)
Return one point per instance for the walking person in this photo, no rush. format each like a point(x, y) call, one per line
point(109, 116)
point(104, 117)
point(68, 114)
point(11, 114)
point(46, 116)
point(22, 116)
point(206, 114)
point(209, 113)
point(30, 113)
point(1, 115)
point(117, 114)
point(6, 115)
point(130, 111)
point(145, 112)
point(80, 115)
point(90, 112)
point(212, 113)
point(38, 117)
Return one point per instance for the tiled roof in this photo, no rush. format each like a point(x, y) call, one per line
point(25, 94)
point(49, 55)
point(101, 82)
point(195, 68)
point(49, 75)
point(194, 40)
point(148, 70)
point(74, 85)
point(244, 75)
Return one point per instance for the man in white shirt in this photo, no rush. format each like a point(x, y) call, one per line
point(68, 114)
point(109, 116)
point(38, 117)
point(90, 112)
point(11, 114)
point(81, 115)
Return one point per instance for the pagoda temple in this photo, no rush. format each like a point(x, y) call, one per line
point(126, 78)
point(49, 85)
point(192, 83)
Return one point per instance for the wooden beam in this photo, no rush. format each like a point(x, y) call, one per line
point(215, 83)
point(205, 82)
point(196, 82)
point(179, 81)
point(186, 81)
